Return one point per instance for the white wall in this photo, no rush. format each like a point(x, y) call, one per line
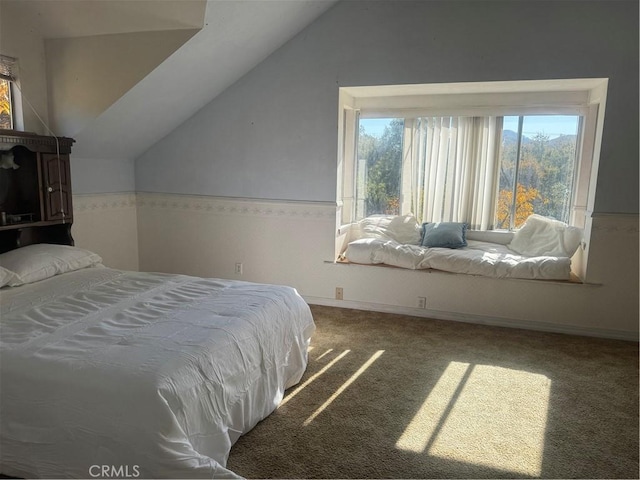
point(277, 242)
point(19, 38)
point(273, 135)
point(107, 224)
point(104, 207)
point(86, 75)
point(292, 243)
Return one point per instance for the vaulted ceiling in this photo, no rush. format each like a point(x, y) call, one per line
point(122, 74)
point(82, 18)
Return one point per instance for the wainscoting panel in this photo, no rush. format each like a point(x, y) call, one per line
point(293, 243)
point(107, 224)
point(613, 248)
point(275, 242)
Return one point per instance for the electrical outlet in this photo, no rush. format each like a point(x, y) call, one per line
point(422, 302)
point(239, 268)
point(339, 293)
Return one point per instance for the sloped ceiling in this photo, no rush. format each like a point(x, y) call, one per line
point(83, 18)
point(235, 36)
point(122, 74)
point(95, 52)
point(86, 75)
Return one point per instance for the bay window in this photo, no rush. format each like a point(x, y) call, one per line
point(488, 154)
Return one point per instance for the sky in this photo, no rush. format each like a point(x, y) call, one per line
point(551, 125)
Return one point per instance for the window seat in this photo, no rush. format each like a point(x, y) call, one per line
point(342, 261)
point(383, 245)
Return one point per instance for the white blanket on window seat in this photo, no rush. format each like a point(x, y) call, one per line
point(478, 258)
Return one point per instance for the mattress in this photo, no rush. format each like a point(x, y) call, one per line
point(150, 375)
point(477, 258)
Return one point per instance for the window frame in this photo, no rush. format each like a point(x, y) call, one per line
point(583, 97)
point(11, 107)
point(9, 72)
point(581, 113)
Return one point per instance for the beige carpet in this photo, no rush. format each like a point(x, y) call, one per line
point(392, 396)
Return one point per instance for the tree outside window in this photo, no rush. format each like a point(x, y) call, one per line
point(380, 166)
point(535, 166)
point(8, 69)
point(545, 169)
point(6, 116)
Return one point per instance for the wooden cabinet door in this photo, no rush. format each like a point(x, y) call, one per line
point(56, 176)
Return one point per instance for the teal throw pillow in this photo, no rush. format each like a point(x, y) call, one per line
point(444, 234)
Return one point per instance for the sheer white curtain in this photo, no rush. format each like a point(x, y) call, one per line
point(451, 168)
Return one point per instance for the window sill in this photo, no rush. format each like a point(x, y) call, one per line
point(573, 281)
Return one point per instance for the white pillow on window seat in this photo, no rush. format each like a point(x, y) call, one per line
point(368, 251)
point(400, 228)
point(543, 236)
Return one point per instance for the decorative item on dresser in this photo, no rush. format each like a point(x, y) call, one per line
point(35, 189)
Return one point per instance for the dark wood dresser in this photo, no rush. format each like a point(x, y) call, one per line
point(35, 197)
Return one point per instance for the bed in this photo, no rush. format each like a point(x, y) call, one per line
point(108, 373)
point(540, 250)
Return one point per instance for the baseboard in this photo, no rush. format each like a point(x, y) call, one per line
point(476, 319)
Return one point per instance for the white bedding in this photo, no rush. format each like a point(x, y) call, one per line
point(157, 373)
point(477, 258)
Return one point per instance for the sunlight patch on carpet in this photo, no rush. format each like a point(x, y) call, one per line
point(313, 377)
point(324, 354)
point(343, 387)
point(483, 415)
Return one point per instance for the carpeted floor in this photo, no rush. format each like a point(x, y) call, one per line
point(392, 396)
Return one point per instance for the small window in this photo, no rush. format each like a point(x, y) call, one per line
point(6, 110)
point(7, 77)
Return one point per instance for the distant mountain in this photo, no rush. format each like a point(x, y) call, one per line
point(562, 140)
point(511, 138)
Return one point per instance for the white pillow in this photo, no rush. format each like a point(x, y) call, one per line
point(542, 236)
point(400, 228)
point(36, 262)
point(366, 250)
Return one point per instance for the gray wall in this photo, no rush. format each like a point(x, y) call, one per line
point(93, 176)
point(273, 134)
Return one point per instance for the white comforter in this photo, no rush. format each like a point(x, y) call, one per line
point(478, 258)
point(155, 375)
